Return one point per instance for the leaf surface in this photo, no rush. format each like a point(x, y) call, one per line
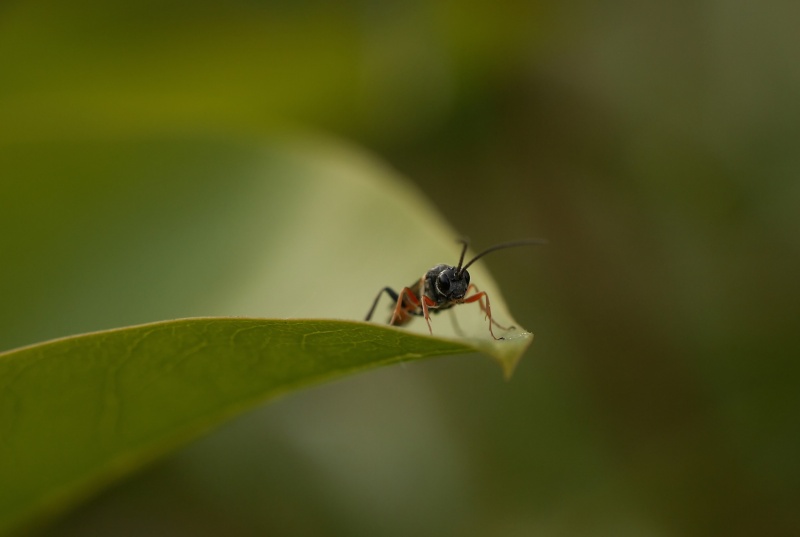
point(78, 412)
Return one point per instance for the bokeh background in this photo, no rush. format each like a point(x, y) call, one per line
point(655, 144)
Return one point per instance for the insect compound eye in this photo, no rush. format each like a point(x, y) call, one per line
point(443, 282)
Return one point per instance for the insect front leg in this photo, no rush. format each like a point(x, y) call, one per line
point(480, 297)
point(426, 304)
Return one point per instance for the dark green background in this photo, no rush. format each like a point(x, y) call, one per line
point(654, 144)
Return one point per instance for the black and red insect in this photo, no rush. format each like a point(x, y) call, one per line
point(443, 287)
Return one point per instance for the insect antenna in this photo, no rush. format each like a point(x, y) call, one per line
point(501, 246)
point(465, 242)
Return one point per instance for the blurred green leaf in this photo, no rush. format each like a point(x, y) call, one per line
point(124, 232)
point(79, 412)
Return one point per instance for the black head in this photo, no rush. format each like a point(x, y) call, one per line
point(447, 283)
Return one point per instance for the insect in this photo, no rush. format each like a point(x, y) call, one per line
point(441, 288)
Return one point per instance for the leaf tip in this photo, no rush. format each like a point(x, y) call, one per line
point(508, 360)
point(506, 351)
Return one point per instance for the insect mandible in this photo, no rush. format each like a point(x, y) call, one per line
point(441, 288)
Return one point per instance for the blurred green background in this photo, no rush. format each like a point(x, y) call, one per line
point(655, 144)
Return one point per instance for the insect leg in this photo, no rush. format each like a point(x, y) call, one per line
point(485, 307)
point(456, 327)
point(426, 304)
point(389, 291)
point(407, 303)
point(479, 297)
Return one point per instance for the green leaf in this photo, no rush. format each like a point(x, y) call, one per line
point(81, 411)
point(299, 228)
point(78, 412)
